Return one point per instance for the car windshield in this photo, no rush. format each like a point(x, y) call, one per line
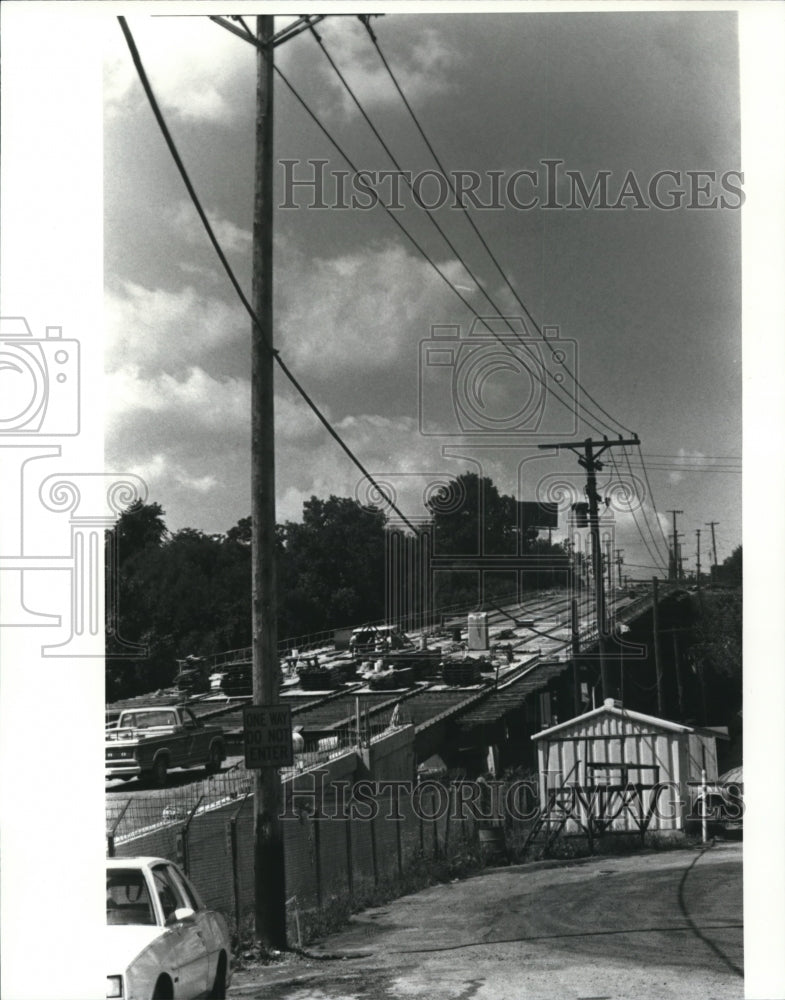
point(145, 720)
point(127, 898)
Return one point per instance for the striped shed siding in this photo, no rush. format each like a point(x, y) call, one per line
point(652, 751)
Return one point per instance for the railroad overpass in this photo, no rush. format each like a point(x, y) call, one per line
point(528, 680)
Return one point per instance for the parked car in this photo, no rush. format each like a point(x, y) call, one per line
point(162, 940)
point(147, 741)
point(723, 805)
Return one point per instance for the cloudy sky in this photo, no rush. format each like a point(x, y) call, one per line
point(646, 296)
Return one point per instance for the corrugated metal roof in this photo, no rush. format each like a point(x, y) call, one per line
point(428, 707)
point(612, 709)
point(340, 710)
point(512, 695)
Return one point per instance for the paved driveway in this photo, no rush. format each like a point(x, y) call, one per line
point(664, 926)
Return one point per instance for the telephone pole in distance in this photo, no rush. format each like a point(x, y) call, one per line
point(588, 458)
point(712, 525)
point(619, 563)
point(674, 562)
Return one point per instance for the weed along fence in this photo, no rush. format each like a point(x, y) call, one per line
point(356, 828)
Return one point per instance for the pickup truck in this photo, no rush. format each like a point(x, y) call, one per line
point(147, 742)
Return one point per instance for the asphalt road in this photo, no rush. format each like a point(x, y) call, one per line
point(656, 926)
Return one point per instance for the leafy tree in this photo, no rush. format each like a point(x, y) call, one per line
point(472, 518)
point(730, 571)
point(716, 651)
point(241, 532)
point(138, 527)
point(189, 592)
point(331, 567)
point(177, 594)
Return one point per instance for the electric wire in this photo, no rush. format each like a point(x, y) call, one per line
point(655, 557)
point(521, 303)
point(420, 249)
point(707, 458)
point(476, 229)
point(230, 273)
point(656, 466)
point(649, 488)
point(434, 222)
point(252, 39)
point(438, 270)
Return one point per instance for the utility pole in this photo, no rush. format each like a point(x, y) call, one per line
point(677, 668)
point(269, 884)
point(674, 563)
point(698, 556)
point(619, 563)
point(269, 876)
point(712, 525)
point(576, 649)
point(589, 459)
point(655, 614)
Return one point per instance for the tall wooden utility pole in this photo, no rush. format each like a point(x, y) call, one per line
point(698, 557)
point(269, 883)
point(576, 650)
point(619, 563)
point(712, 525)
point(589, 459)
point(677, 668)
point(674, 563)
point(655, 615)
point(269, 876)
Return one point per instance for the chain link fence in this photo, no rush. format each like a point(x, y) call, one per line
point(334, 862)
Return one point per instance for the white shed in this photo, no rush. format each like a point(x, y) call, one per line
point(614, 769)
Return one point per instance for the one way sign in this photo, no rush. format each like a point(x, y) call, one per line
point(267, 733)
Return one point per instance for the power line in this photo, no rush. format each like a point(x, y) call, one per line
point(653, 556)
point(230, 273)
point(474, 226)
point(651, 495)
point(430, 213)
point(453, 288)
point(718, 458)
point(690, 468)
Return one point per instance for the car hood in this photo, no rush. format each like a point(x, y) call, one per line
point(124, 942)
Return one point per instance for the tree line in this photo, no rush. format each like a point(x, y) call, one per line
point(188, 592)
